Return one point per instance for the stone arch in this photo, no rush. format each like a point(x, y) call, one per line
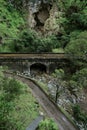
point(37, 68)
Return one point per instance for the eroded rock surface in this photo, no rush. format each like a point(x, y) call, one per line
point(44, 16)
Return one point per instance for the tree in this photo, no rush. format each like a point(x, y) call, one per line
point(12, 88)
point(9, 90)
point(76, 14)
point(58, 77)
point(77, 47)
point(11, 24)
point(81, 77)
point(29, 41)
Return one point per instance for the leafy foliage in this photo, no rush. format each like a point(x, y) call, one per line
point(76, 14)
point(48, 124)
point(80, 115)
point(17, 104)
point(29, 41)
point(11, 23)
point(59, 74)
point(14, 38)
point(74, 18)
point(12, 88)
point(7, 95)
point(78, 46)
point(81, 77)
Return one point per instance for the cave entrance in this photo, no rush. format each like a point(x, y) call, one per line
point(37, 68)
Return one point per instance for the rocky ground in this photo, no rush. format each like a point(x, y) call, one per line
point(65, 99)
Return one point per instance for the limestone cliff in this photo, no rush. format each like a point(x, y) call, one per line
point(43, 16)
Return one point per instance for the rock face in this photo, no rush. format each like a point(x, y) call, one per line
point(51, 25)
point(43, 16)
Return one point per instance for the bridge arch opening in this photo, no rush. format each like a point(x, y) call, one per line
point(37, 68)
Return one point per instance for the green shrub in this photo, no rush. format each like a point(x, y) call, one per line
point(81, 77)
point(78, 46)
point(77, 49)
point(79, 115)
point(29, 41)
point(11, 23)
point(12, 88)
point(76, 14)
point(48, 124)
point(59, 74)
point(18, 107)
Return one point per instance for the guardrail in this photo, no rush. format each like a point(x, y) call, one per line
point(35, 123)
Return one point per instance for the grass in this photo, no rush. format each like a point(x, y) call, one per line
point(58, 50)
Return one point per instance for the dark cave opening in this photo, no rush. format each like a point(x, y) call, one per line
point(37, 68)
point(38, 22)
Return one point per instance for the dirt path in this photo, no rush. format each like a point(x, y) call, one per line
point(49, 107)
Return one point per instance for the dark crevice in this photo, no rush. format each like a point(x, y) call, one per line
point(42, 15)
point(38, 21)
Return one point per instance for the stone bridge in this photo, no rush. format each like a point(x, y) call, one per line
point(28, 63)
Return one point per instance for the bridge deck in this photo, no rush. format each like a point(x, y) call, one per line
point(32, 56)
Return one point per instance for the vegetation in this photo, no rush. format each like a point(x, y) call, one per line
point(18, 107)
point(80, 116)
point(80, 77)
point(48, 124)
point(77, 48)
point(31, 42)
point(58, 76)
point(58, 50)
point(11, 23)
point(15, 37)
